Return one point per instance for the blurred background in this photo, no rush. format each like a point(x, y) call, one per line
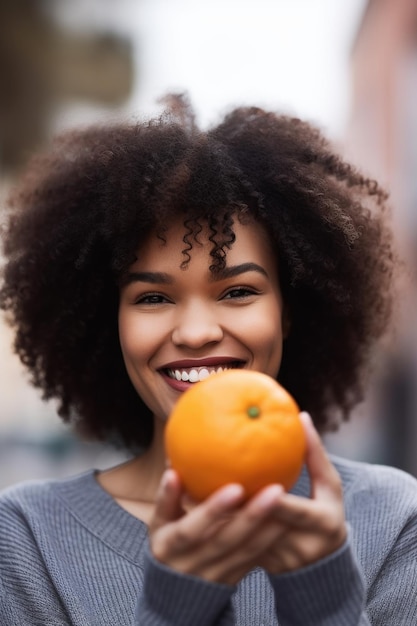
point(348, 66)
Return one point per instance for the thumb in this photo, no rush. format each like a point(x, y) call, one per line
point(168, 500)
point(323, 475)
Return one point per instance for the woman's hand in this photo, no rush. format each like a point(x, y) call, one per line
point(222, 538)
point(312, 528)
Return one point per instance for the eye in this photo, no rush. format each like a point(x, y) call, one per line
point(239, 293)
point(151, 298)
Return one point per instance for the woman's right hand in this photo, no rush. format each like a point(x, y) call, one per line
point(220, 539)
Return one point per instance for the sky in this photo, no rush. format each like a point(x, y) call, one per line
point(288, 55)
point(291, 55)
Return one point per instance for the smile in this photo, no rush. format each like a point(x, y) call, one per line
point(196, 374)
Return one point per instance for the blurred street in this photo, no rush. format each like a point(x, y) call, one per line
point(351, 68)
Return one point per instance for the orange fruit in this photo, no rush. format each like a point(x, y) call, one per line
point(235, 426)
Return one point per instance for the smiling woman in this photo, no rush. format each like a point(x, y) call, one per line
point(141, 258)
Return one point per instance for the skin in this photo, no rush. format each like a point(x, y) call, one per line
point(171, 318)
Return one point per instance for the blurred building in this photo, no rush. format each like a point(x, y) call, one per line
point(45, 68)
point(382, 139)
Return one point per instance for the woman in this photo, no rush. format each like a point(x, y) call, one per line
point(138, 255)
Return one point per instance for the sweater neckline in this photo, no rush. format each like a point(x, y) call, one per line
point(98, 512)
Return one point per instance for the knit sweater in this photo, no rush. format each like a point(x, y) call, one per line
point(69, 554)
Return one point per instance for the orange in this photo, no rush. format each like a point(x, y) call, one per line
point(235, 426)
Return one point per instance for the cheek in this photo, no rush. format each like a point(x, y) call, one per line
point(266, 337)
point(135, 336)
point(269, 337)
point(135, 343)
point(265, 322)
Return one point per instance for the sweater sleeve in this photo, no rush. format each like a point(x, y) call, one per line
point(27, 594)
point(334, 591)
point(392, 597)
point(169, 598)
point(329, 592)
point(8, 615)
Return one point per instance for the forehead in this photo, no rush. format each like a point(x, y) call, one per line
point(178, 243)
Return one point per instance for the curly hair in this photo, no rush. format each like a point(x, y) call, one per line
point(82, 211)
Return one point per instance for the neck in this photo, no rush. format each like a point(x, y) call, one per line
point(138, 479)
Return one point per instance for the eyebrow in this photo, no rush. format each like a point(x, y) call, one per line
point(156, 278)
point(236, 270)
point(161, 278)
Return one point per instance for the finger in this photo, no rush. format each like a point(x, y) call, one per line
point(204, 518)
point(252, 552)
point(250, 517)
point(309, 515)
point(188, 503)
point(313, 531)
point(325, 481)
point(241, 543)
point(168, 500)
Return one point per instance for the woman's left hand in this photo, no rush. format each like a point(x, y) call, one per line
point(312, 528)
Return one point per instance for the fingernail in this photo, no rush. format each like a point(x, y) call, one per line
point(270, 495)
point(306, 417)
point(232, 492)
point(307, 420)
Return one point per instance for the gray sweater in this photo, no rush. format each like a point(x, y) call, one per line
point(70, 555)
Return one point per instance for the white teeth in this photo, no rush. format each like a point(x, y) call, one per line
point(193, 376)
point(196, 374)
point(204, 373)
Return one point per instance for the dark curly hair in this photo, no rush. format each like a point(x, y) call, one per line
point(83, 209)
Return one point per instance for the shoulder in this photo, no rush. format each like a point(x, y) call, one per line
point(22, 495)
point(32, 511)
point(381, 512)
point(23, 508)
point(358, 474)
point(37, 497)
point(380, 487)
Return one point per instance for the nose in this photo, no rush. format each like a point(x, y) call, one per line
point(196, 325)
